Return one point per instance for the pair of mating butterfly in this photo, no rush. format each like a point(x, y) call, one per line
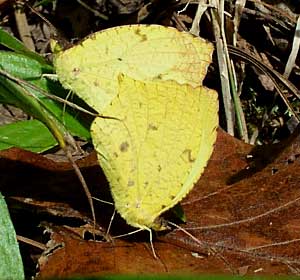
point(162, 122)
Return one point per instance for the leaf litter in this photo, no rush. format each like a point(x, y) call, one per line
point(244, 212)
point(252, 222)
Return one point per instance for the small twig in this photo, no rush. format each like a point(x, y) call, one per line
point(239, 6)
point(23, 28)
point(184, 8)
point(227, 100)
point(240, 118)
point(31, 242)
point(293, 55)
point(21, 82)
point(83, 183)
point(95, 12)
point(202, 7)
point(273, 9)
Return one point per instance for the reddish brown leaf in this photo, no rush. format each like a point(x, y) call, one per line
point(245, 215)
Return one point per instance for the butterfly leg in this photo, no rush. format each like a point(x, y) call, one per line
point(150, 240)
point(110, 222)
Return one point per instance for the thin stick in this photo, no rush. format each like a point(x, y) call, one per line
point(21, 82)
point(31, 242)
point(83, 183)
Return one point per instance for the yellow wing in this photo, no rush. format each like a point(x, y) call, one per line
point(155, 145)
point(143, 52)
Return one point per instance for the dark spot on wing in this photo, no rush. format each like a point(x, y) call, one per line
point(124, 147)
point(188, 153)
point(130, 183)
point(152, 127)
point(159, 168)
point(120, 59)
point(141, 35)
point(76, 71)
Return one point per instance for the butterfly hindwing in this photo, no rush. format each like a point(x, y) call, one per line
point(155, 146)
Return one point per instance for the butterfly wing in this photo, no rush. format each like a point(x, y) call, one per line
point(143, 52)
point(155, 145)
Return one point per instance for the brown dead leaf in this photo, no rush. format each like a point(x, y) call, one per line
point(244, 214)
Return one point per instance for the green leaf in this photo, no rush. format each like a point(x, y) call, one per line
point(20, 65)
point(28, 66)
point(11, 266)
point(31, 135)
point(178, 212)
point(14, 44)
point(32, 101)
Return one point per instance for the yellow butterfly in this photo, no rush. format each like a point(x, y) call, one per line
point(160, 124)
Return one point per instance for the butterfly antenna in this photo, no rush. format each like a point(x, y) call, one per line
point(186, 232)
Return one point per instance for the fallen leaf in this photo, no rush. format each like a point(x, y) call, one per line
point(251, 223)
